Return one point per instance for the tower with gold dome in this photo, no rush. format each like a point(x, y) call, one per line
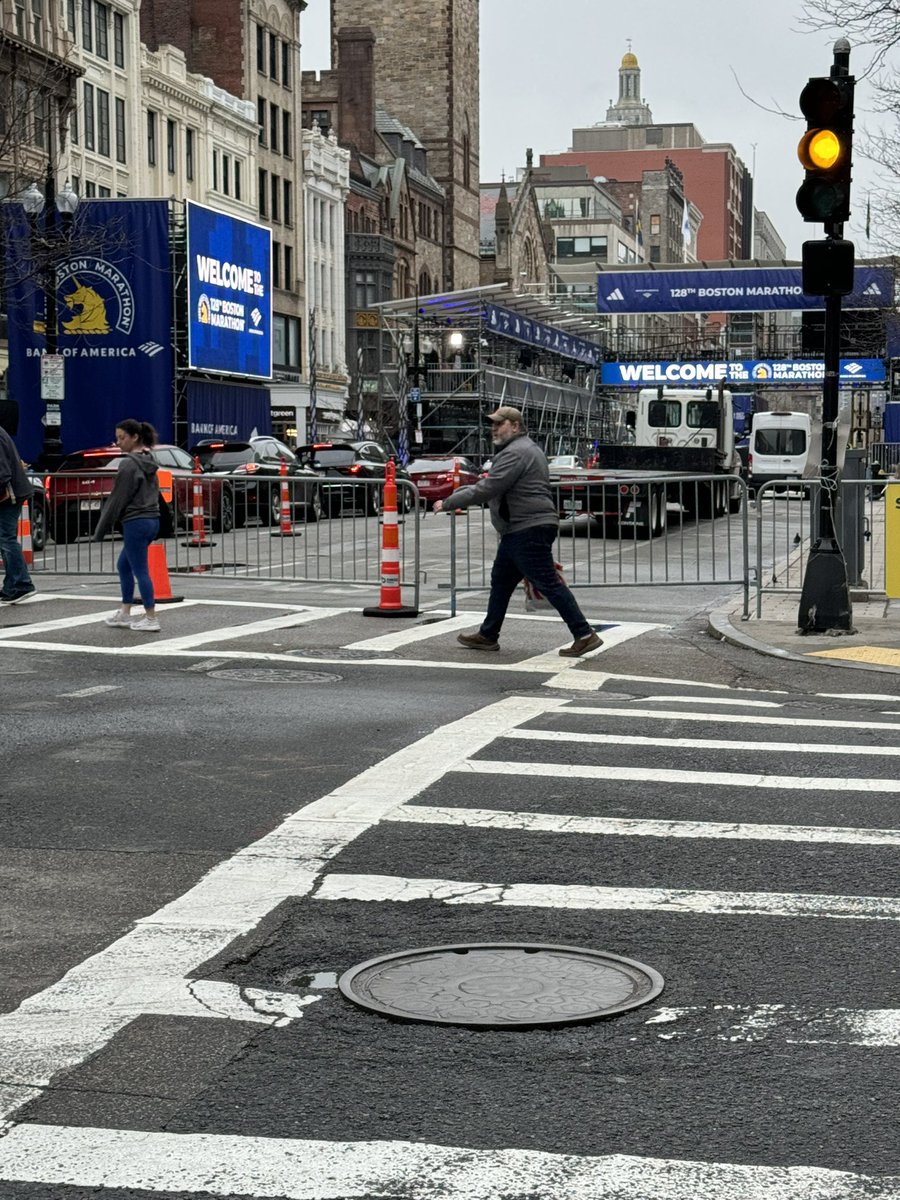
point(630, 109)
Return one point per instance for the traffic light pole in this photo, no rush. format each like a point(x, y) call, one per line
point(825, 600)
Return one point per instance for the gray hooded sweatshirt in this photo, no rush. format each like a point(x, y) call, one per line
point(135, 493)
point(517, 488)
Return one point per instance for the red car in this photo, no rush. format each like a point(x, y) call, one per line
point(437, 475)
point(77, 489)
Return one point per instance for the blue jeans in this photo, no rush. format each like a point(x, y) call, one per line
point(529, 555)
point(16, 578)
point(132, 565)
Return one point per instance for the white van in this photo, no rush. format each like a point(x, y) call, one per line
point(779, 446)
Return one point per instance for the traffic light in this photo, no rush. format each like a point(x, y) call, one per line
point(826, 149)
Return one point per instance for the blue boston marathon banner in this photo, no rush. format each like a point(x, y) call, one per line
point(800, 372)
point(229, 294)
point(534, 333)
point(114, 329)
point(738, 289)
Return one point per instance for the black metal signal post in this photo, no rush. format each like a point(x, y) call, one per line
point(826, 152)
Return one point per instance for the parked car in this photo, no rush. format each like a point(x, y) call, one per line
point(335, 462)
point(37, 510)
point(565, 462)
point(436, 475)
point(258, 462)
point(85, 478)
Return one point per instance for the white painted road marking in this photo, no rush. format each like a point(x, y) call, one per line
point(60, 1026)
point(795, 1025)
point(734, 719)
point(231, 633)
point(90, 691)
point(621, 739)
point(802, 783)
point(286, 1169)
point(538, 822)
point(415, 633)
point(588, 896)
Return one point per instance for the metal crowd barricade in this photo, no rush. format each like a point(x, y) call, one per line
point(787, 518)
point(678, 546)
point(337, 540)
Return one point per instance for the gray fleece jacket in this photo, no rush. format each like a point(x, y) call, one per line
point(12, 473)
point(135, 493)
point(517, 488)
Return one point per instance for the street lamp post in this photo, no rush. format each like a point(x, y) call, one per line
point(52, 364)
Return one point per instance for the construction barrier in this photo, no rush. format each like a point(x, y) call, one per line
point(23, 532)
point(391, 602)
point(159, 575)
point(198, 519)
point(286, 528)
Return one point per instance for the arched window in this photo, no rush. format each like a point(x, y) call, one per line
point(424, 284)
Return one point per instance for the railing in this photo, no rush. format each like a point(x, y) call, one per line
point(335, 529)
point(665, 532)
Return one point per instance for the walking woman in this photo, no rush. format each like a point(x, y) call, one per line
point(134, 501)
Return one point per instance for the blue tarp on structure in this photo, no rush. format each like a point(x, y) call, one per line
point(226, 410)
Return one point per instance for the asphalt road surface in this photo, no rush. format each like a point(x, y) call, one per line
point(203, 831)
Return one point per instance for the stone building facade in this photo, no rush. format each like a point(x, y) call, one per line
point(426, 72)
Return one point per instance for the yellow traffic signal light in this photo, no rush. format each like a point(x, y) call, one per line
point(826, 149)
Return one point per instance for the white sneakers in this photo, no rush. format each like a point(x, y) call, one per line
point(118, 620)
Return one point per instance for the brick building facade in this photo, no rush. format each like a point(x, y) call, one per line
point(426, 76)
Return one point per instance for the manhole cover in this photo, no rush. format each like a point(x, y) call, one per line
point(335, 652)
point(273, 675)
point(500, 985)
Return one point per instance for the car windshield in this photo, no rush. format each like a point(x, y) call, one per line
point(90, 462)
point(223, 460)
point(431, 464)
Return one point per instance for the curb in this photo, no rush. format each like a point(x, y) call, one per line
point(719, 626)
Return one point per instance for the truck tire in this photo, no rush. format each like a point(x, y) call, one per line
point(735, 500)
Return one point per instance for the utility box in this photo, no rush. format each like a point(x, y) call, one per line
point(851, 526)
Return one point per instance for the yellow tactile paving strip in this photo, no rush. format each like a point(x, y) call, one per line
point(882, 655)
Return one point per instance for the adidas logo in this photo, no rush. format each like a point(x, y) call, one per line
point(151, 348)
point(853, 368)
point(615, 294)
point(872, 290)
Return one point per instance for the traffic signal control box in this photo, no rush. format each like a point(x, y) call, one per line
point(826, 149)
point(828, 267)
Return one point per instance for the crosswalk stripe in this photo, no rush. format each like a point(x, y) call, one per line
point(294, 1169)
point(338, 886)
point(798, 1025)
point(417, 633)
point(619, 739)
point(252, 628)
point(483, 766)
point(538, 822)
point(731, 718)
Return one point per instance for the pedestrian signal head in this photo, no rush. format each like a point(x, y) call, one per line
point(825, 150)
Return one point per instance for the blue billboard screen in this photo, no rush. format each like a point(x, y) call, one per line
point(229, 294)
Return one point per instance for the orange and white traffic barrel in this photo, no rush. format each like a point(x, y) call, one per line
point(391, 602)
point(23, 532)
point(198, 517)
point(285, 528)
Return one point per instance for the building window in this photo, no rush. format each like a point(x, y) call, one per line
point(189, 153)
point(87, 26)
point(263, 189)
point(151, 138)
point(322, 118)
point(70, 16)
point(286, 64)
point(90, 189)
point(276, 198)
point(582, 247)
point(215, 170)
point(37, 21)
point(119, 39)
point(654, 223)
point(654, 254)
point(120, 131)
point(170, 146)
point(286, 342)
point(73, 127)
point(261, 119)
point(103, 193)
point(102, 122)
point(237, 179)
point(276, 264)
point(41, 120)
point(288, 204)
point(273, 127)
point(653, 137)
point(226, 174)
point(88, 94)
point(286, 145)
point(365, 289)
point(260, 49)
point(288, 268)
point(273, 56)
point(101, 27)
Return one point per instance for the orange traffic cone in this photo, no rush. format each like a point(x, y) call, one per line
point(23, 533)
point(159, 574)
point(391, 604)
point(198, 521)
point(285, 529)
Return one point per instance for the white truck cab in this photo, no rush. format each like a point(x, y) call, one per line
point(686, 418)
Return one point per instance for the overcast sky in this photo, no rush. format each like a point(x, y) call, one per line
point(546, 69)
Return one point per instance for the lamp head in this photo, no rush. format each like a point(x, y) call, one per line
point(33, 200)
point(67, 199)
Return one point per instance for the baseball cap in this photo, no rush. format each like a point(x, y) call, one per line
point(505, 413)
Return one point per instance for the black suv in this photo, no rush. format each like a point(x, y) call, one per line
point(360, 461)
point(255, 468)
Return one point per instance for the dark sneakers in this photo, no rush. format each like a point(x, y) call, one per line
point(475, 641)
point(17, 597)
point(581, 646)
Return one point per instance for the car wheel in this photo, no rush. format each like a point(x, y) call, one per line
point(225, 521)
point(373, 500)
point(38, 523)
point(314, 509)
point(274, 507)
point(66, 526)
